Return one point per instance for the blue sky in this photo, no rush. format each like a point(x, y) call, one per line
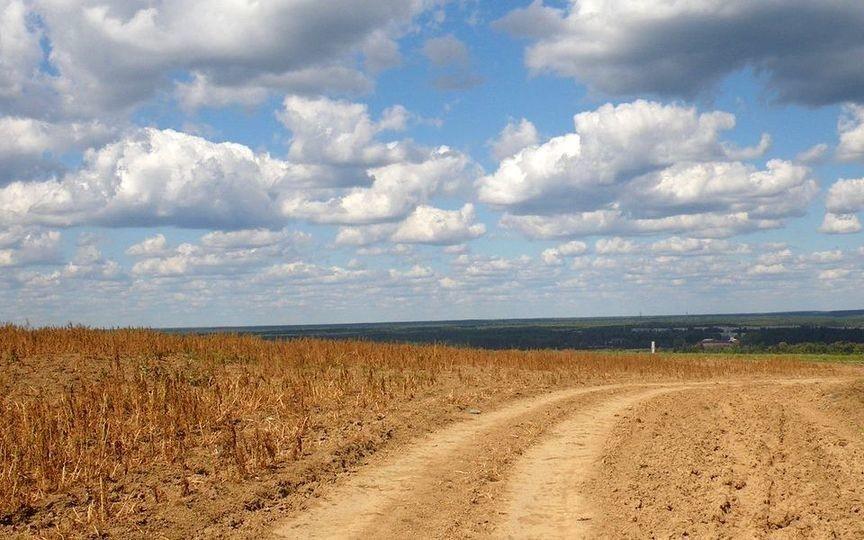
point(227, 163)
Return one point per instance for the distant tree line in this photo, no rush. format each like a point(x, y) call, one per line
point(529, 336)
point(803, 339)
point(801, 335)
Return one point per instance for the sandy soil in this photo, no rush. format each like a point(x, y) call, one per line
point(779, 459)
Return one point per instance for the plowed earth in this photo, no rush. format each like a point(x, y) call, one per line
point(757, 459)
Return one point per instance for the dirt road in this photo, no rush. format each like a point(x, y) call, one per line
point(755, 459)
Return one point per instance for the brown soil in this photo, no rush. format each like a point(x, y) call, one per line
point(752, 459)
point(757, 461)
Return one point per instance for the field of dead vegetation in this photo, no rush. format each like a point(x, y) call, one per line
point(135, 433)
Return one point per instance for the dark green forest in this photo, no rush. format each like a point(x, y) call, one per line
point(840, 332)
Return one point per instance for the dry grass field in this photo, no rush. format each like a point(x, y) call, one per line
point(135, 433)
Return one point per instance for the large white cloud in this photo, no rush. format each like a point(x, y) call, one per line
point(154, 177)
point(680, 48)
point(429, 225)
point(341, 133)
point(425, 225)
point(110, 56)
point(31, 148)
point(643, 167)
point(384, 181)
point(609, 147)
point(337, 172)
point(395, 190)
point(781, 189)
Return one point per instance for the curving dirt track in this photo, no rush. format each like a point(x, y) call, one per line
point(769, 459)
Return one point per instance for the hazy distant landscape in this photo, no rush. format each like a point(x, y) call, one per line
point(801, 331)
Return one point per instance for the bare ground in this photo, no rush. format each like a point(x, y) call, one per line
point(758, 459)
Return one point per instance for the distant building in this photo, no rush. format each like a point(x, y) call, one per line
point(718, 343)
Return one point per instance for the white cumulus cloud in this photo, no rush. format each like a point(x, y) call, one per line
point(554, 256)
point(31, 148)
point(644, 167)
point(336, 172)
point(845, 198)
point(682, 48)
point(513, 138)
point(840, 224)
point(428, 225)
point(239, 51)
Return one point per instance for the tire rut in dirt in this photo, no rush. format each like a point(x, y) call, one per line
point(441, 485)
point(613, 461)
point(546, 496)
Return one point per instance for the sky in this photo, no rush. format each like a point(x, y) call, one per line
point(231, 162)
